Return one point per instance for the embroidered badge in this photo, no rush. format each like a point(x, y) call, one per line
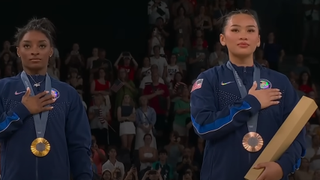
point(265, 84)
point(197, 85)
point(55, 93)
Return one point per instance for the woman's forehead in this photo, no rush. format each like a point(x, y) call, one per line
point(242, 20)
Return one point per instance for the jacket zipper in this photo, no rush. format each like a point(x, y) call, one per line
point(37, 174)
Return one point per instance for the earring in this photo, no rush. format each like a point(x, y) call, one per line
point(50, 56)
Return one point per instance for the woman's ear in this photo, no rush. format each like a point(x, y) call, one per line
point(222, 40)
point(259, 42)
point(51, 52)
point(18, 51)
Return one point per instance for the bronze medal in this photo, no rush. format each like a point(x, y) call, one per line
point(40, 147)
point(252, 142)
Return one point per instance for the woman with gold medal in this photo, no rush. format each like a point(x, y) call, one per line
point(239, 106)
point(44, 130)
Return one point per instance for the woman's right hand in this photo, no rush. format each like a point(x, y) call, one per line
point(38, 103)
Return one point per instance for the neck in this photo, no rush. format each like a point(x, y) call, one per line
point(144, 106)
point(222, 7)
point(180, 45)
point(101, 78)
point(155, 83)
point(172, 64)
point(157, 56)
point(112, 160)
point(35, 72)
point(125, 104)
point(242, 61)
point(200, 47)
point(162, 162)
point(270, 41)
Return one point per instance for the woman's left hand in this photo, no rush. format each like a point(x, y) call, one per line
point(272, 171)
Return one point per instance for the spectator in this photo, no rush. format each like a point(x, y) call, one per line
point(6, 49)
point(247, 5)
point(75, 79)
point(127, 88)
point(6, 59)
point(182, 52)
point(313, 153)
point(299, 67)
point(306, 84)
point(217, 57)
point(8, 71)
point(159, 99)
point(198, 59)
point(177, 87)
point(172, 68)
point(182, 113)
point(99, 117)
point(145, 121)
point(132, 174)
point(156, 40)
point(104, 63)
point(199, 34)
point(316, 174)
point(146, 68)
point(183, 27)
point(315, 118)
point(56, 58)
point(112, 164)
point(162, 166)
point(106, 175)
point(197, 151)
point(260, 58)
point(161, 62)
point(52, 70)
point(202, 21)
point(310, 22)
point(156, 9)
point(273, 52)
point(185, 165)
point(75, 59)
point(219, 12)
point(102, 86)
point(127, 62)
point(98, 155)
point(147, 154)
point(95, 56)
point(126, 115)
point(148, 79)
point(174, 149)
point(152, 175)
point(185, 4)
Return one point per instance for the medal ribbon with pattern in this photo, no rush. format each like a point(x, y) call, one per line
point(40, 147)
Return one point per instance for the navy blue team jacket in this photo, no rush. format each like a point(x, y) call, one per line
point(219, 115)
point(68, 133)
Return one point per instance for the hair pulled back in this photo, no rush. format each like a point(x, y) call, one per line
point(43, 25)
point(224, 20)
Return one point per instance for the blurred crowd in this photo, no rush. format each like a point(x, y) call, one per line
point(140, 114)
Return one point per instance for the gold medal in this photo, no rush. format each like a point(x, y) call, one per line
point(40, 147)
point(252, 142)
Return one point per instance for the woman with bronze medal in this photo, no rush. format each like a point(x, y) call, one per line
point(44, 130)
point(239, 106)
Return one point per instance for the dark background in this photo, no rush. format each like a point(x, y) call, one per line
point(114, 25)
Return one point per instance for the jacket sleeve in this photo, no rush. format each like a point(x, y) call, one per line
point(290, 161)
point(11, 120)
point(78, 139)
point(211, 123)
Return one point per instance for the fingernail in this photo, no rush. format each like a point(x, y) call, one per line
point(54, 99)
point(47, 92)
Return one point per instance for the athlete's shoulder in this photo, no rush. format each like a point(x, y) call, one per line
point(8, 82)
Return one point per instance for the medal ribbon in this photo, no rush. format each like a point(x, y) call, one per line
point(253, 121)
point(40, 123)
